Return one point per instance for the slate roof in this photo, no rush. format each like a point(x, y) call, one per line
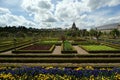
point(108, 26)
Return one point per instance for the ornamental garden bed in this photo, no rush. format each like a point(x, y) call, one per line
point(67, 48)
point(99, 49)
point(35, 48)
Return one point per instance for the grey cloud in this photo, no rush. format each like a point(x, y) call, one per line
point(96, 4)
point(51, 19)
point(44, 4)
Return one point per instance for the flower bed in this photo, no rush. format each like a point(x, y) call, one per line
point(67, 48)
point(99, 49)
point(59, 73)
point(36, 48)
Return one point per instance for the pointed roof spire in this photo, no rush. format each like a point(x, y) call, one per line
point(74, 26)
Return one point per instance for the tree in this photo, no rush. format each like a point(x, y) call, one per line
point(20, 35)
point(83, 32)
point(115, 33)
point(95, 33)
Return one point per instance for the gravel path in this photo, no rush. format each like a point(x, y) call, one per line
point(57, 50)
point(80, 50)
point(7, 52)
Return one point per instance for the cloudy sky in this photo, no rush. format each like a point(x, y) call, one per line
point(59, 13)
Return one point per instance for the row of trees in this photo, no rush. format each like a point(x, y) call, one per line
point(23, 32)
point(93, 33)
point(20, 31)
point(115, 33)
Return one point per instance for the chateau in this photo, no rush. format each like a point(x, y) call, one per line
point(109, 27)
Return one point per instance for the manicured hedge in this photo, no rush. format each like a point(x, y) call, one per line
point(57, 43)
point(112, 45)
point(66, 47)
point(85, 43)
point(34, 51)
point(60, 60)
point(60, 56)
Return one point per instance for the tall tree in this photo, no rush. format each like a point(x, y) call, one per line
point(95, 33)
point(115, 33)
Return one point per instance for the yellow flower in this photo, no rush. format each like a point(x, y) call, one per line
point(2, 68)
point(92, 77)
point(109, 69)
point(6, 76)
point(102, 69)
point(79, 68)
point(49, 67)
point(89, 68)
point(117, 76)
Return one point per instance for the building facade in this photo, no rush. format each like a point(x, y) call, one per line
point(108, 28)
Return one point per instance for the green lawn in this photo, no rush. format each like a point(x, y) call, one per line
point(98, 48)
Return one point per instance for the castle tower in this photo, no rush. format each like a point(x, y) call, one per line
point(74, 26)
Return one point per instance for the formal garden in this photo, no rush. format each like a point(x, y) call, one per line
point(51, 55)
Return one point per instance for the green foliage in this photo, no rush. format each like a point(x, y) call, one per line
point(67, 46)
point(115, 33)
point(95, 33)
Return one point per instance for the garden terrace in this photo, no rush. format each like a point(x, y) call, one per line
point(36, 48)
point(99, 49)
point(67, 48)
point(71, 60)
